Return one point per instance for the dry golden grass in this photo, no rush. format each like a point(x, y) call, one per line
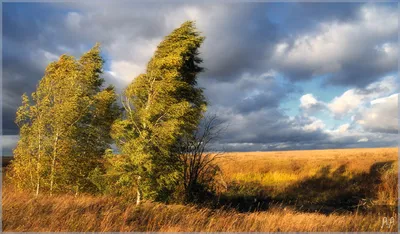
point(303, 163)
point(86, 214)
point(283, 168)
point(283, 175)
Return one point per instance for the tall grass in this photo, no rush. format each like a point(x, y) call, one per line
point(272, 173)
point(296, 188)
point(387, 189)
point(21, 212)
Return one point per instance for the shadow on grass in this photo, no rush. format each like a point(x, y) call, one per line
point(326, 192)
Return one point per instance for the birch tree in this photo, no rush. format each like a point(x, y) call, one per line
point(68, 108)
point(159, 107)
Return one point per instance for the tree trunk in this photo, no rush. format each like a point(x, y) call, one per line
point(138, 191)
point(53, 164)
point(38, 164)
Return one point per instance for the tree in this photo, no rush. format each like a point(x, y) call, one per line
point(64, 129)
point(160, 106)
point(94, 127)
point(24, 154)
point(197, 158)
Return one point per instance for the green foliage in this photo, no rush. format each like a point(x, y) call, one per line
point(64, 128)
point(160, 105)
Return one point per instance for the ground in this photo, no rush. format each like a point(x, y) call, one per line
point(319, 190)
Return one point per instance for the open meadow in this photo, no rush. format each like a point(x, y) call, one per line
point(319, 190)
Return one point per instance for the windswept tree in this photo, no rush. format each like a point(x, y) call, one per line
point(64, 128)
point(161, 106)
point(199, 177)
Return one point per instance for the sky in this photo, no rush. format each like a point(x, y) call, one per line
point(279, 76)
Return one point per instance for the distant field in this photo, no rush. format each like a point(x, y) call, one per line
point(355, 159)
point(282, 168)
point(316, 179)
point(319, 190)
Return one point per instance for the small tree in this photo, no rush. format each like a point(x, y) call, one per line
point(198, 159)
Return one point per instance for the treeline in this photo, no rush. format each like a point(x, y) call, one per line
point(68, 124)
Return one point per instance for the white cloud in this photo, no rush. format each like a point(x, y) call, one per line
point(351, 100)
point(364, 139)
point(353, 136)
point(315, 125)
point(374, 113)
point(129, 59)
point(343, 128)
point(8, 142)
point(381, 116)
point(307, 101)
point(310, 104)
point(48, 56)
point(73, 20)
point(345, 103)
point(125, 70)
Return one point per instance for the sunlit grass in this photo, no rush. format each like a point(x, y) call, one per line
point(67, 213)
point(266, 179)
point(321, 178)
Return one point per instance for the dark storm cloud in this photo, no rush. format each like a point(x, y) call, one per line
point(35, 34)
point(31, 40)
point(20, 75)
point(315, 140)
point(243, 70)
point(239, 37)
point(249, 92)
point(309, 14)
point(364, 72)
point(268, 129)
point(238, 45)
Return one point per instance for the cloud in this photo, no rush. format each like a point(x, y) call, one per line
point(364, 139)
point(8, 143)
point(355, 52)
point(270, 126)
point(373, 111)
point(381, 115)
point(347, 102)
point(343, 128)
point(356, 137)
point(73, 20)
point(315, 125)
point(307, 101)
point(253, 55)
point(125, 70)
point(352, 99)
point(249, 93)
point(131, 31)
point(310, 104)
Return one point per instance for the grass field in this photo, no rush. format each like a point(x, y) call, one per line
point(321, 190)
point(326, 177)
